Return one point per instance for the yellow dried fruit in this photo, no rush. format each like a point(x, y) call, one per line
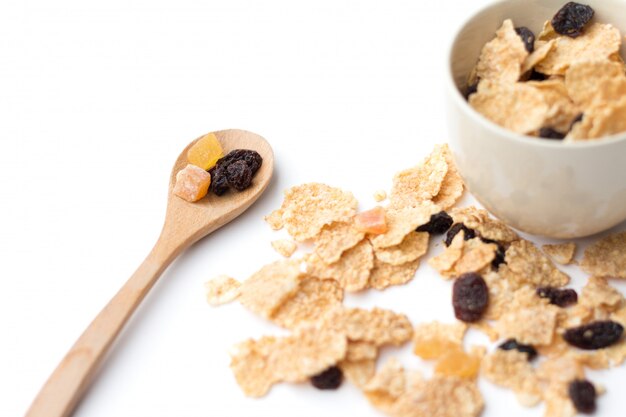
point(205, 152)
point(192, 183)
point(456, 362)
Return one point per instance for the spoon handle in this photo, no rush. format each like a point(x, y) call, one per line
point(64, 388)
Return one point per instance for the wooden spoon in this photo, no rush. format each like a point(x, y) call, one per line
point(185, 223)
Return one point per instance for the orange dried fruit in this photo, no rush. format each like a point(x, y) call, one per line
point(458, 363)
point(205, 152)
point(192, 183)
point(434, 348)
point(371, 221)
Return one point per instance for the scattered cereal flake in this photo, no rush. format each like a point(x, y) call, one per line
point(539, 54)
point(420, 183)
point(268, 288)
point(444, 262)
point(431, 340)
point(526, 264)
point(335, 239)
point(414, 245)
point(441, 396)
point(558, 405)
point(456, 362)
point(352, 270)
point(221, 290)
point(377, 326)
point(384, 275)
point(517, 107)
point(511, 369)
point(609, 120)
point(597, 293)
point(562, 253)
point(580, 130)
point(606, 257)
point(501, 293)
point(358, 372)
point(285, 247)
point(476, 256)
point(487, 226)
point(547, 33)
point(358, 351)
point(387, 385)
point(530, 326)
point(309, 207)
point(501, 58)
point(313, 297)
point(599, 41)
point(380, 195)
point(275, 219)
point(592, 83)
point(403, 221)
point(258, 364)
point(372, 221)
point(560, 370)
point(561, 110)
point(452, 186)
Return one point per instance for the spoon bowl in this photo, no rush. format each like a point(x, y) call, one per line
point(185, 223)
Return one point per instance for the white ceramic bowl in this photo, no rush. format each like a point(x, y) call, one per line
point(543, 187)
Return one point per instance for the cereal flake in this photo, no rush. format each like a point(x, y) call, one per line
point(606, 257)
point(414, 245)
point(501, 59)
point(562, 253)
point(352, 270)
point(335, 239)
point(221, 290)
point(403, 221)
point(384, 275)
point(285, 247)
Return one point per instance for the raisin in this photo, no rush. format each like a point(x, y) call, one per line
point(471, 89)
point(500, 254)
point(549, 133)
point(528, 37)
point(455, 229)
point(583, 395)
point(246, 163)
point(512, 344)
point(439, 223)
point(596, 335)
point(239, 175)
point(561, 297)
point(470, 296)
point(331, 378)
point(571, 19)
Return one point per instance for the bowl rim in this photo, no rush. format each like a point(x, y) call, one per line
point(464, 106)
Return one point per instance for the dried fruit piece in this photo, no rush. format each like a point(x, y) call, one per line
point(501, 58)
point(470, 297)
point(205, 152)
point(285, 247)
point(562, 253)
point(239, 175)
point(371, 221)
point(606, 257)
point(192, 183)
point(221, 290)
point(512, 344)
point(458, 363)
point(583, 395)
point(245, 164)
point(335, 239)
point(432, 340)
point(439, 223)
point(571, 19)
point(528, 37)
point(455, 229)
point(562, 297)
point(595, 335)
point(329, 379)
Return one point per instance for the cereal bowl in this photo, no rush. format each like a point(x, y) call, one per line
point(550, 188)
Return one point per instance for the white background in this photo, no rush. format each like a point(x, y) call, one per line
point(96, 101)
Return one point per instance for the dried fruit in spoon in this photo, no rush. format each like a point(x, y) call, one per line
point(205, 152)
point(192, 183)
point(235, 170)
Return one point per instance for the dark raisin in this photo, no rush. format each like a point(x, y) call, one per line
point(331, 378)
point(250, 157)
point(239, 175)
point(561, 297)
point(470, 296)
point(500, 254)
point(455, 229)
point(471, 89)
point(512, 344)
point(571, 19)
point(528, 37)
point(537, 76)
point(549, 133)
point(439, 223)
point(596, 335)
point(219, 181)
point(583, 395)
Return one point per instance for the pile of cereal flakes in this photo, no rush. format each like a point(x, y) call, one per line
point(568, 82)
point(502, 285)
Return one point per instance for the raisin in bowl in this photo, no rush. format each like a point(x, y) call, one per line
point(524, 172)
